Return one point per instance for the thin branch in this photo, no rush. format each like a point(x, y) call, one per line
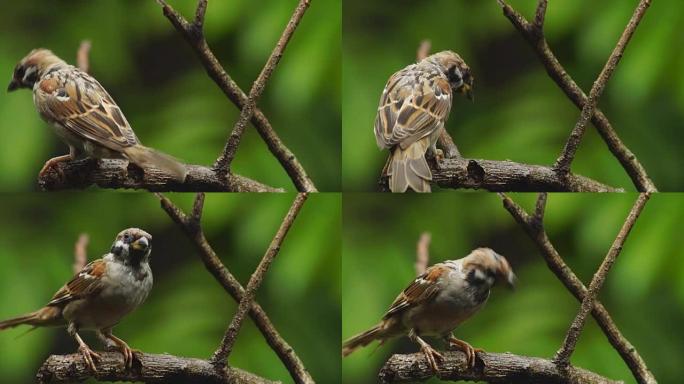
point(199, 14)
point(423, 253)
point(423, 50)
point(491, 368)
point(233, 92)
point(563, 355)
point(222, 164)
point(111, 173)
point(80, 252)
point(540, 14)
point(221, 355)
point(197, 208)
point(560, 76)
point(571, 146)
point(540, 209)
point(82, 56)
point(214, 265)
point(147, 368)
point(497, 176)
point(563, 272)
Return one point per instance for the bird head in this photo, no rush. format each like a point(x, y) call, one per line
point(483, 265)
point(32, 67)
point(132, 245)
point(456, 70)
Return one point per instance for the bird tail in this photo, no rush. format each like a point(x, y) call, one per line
point(45, 316)
point(408, 168)
point(361, 340)
point(148, 157)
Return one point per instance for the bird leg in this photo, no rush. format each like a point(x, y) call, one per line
point(430, 353)
point(89, 356)
point(128, 353)
point(468, 349)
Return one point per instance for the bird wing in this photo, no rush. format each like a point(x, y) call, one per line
point(87, 282)
point(81, 105)
point(422, 289)
point(413, 105)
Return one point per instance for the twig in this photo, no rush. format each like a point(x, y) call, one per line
point(560, 76)
point(110, 173)
point(81, 252)
point(565, 274)
point(214, 265)
point(491, 368)
point(224, 350)
point(423, 253)
point(423, 50)
point(571, 146)
point(194, 36)
point(563, 355)
point(497, 176)
point(148, 368)
point(82, 60)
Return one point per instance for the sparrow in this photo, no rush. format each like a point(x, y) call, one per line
point(84, 115)
point(437, 302)
point(100, 295)
point(413, 108)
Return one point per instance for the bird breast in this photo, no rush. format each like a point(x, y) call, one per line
point(456, 302)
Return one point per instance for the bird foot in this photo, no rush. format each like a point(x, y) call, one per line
point(89, 356)
point(432, 356)
point(470, 352)
point(52, 164)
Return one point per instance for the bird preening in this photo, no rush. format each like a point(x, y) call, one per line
point(437, 302)
point(84, 115)
point(413, 109)
point(100, 295)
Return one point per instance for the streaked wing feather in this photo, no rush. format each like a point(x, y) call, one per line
point(86, 282)
point(423, 288)
point(83, 106)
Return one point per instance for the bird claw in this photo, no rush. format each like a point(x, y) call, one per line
point(470, 352)
point(432, 357)
point(52, 163)
point(89, 356)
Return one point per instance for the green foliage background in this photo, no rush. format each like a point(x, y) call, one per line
point(519, 113)
point(164, 91)
point(644, 292)
point(187, 311)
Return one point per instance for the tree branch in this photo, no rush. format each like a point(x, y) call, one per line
point(496, 176)
point(222, 164)
point(224, 350)
point(423, 253)
point(110, 173)
point(573, 284)
point(80, 252)
point(559, 75)
point(148, 368)
point(82, 59)
point(214, 265)
point(568, 154)
point(196, 40)
point(563, 355)
point(491, 367)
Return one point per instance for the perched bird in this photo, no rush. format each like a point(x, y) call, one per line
point(437, 301)
point(100, 295)
point(413, 108)
point(83, 114)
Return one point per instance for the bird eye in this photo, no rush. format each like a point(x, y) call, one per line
point(454, 75)
point(127, 237)
point(19, 72)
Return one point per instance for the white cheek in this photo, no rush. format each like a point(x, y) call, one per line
point(28, 73)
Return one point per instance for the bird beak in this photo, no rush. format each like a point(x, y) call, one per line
point(467, 90)
point(141, 244)
point(13, 85)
